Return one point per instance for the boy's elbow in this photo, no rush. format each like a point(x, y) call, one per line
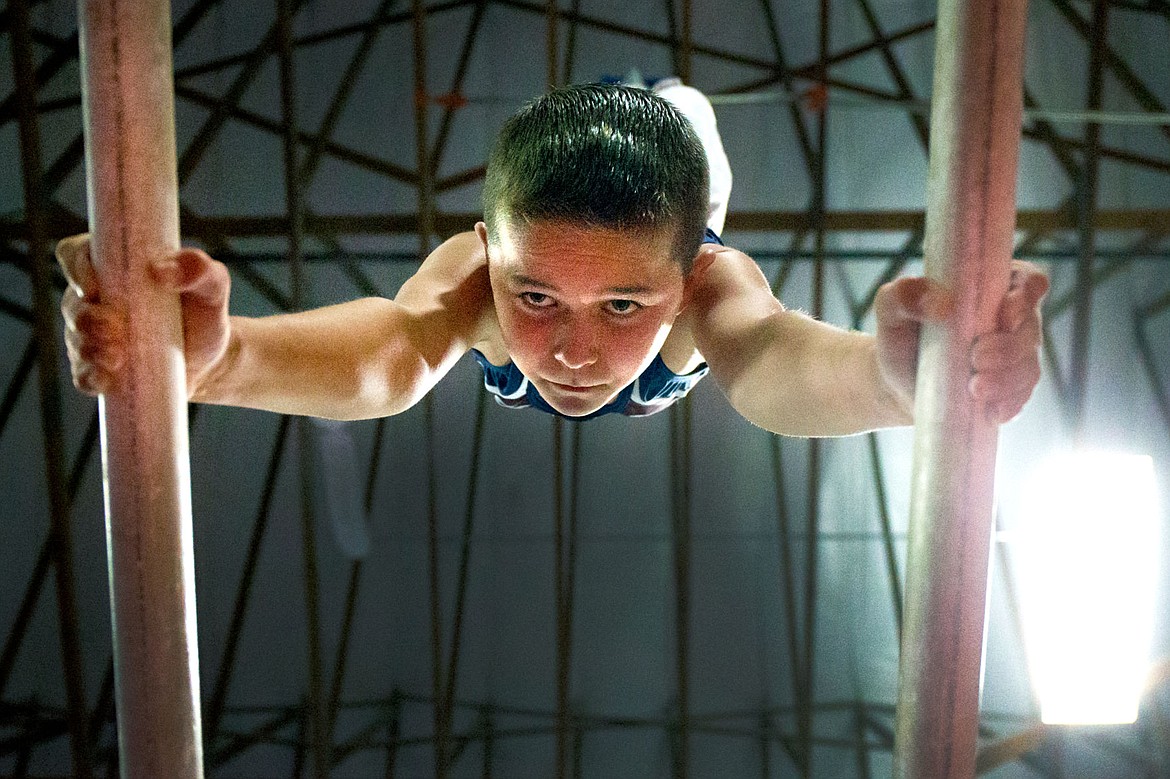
point(394, 382)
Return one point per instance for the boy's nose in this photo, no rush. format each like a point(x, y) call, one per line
point(576, 348)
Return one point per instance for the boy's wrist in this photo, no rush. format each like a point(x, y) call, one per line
point(208, 384)
point(895, 400)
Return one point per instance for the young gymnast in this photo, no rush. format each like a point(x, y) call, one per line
point(595, 284)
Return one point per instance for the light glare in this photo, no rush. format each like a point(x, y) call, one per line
point(1086, 548)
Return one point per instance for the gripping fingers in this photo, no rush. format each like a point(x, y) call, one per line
point(73, 255)
point(1005, 369)
point(1027, 288)
point(1005, 409)
point(1001, 385)
point(88, 376)
point(92, 320)
point(95, 339)
point(1002, 395)
point(1003, 351)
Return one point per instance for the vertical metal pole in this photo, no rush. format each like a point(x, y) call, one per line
point(686, 43)
point(392, 733)
point(1146, 354)
point(562, 665)
point(316, 725)
point(1086, 206)
point(565, 567)
point(970, 221)
point(571, 44)
point(563, 637)
point(680, 443)
point(765, 726)
point(47, 356)
point(333, 709)
point(861, 728)
point(28, 360)
point(805, 701)
point(681, 474)
point(888, 545)
point(128, 106)
point(461, 586)
point(227, 663)
point(426, 225)
point(552, 45)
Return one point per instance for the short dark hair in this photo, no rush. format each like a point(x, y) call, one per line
point(604, 156)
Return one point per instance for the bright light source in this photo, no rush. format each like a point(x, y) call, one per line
point(1086, 545)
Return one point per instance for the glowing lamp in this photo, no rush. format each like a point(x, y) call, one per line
point(1086, 546)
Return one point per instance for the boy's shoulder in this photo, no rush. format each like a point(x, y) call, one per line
point(453, 281)
point(727, 284)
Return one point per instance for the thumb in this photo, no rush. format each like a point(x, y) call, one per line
point(195, 275)
point(911, 301)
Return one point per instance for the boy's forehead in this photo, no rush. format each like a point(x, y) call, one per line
point(548, 244)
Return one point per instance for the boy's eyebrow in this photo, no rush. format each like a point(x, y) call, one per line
point(528, 281)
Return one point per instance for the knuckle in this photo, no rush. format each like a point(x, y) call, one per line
point(69, 315)
point(888, 298)
point(89, 352)
point(220, 276)
point(68, 245)
point(84, 382)
point(86, 318)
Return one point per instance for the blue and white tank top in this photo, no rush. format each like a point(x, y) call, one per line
point(656, 389)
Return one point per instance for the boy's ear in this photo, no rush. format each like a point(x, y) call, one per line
point(703, 262)
point(481, 231)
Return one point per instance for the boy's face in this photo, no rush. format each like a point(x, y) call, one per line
point(583, 310)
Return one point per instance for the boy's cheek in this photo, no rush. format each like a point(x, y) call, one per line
point(526, 338)
point(634, 346)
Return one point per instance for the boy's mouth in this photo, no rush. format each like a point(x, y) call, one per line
point(573, 388)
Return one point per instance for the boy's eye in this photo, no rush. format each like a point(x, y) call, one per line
point(536, 299)
point(624, 306)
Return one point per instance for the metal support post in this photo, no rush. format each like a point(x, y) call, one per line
point(60, 537)
point(128, 102)
point(970, 223)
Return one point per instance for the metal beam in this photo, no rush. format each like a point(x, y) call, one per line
point(316, 720)
point(129, 128)
point(970, 227)
point(220, 228)
point(680, 450)
point(227, 663)
point(441, 715)
point(1086, 202)
point(49, 384)
point(345, 31)
point(463, 576)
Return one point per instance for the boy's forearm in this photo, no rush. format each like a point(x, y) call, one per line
point(352, 361)
point(806, 378)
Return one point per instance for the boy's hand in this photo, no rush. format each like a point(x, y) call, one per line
point(1005, 364)
point(95, 332)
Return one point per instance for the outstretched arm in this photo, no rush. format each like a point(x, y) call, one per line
point(364, 358)
point(793, 375)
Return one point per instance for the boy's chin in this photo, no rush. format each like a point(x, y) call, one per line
point(576, 404)
point(575, 408)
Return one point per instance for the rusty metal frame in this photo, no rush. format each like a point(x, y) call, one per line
point(60, 542)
